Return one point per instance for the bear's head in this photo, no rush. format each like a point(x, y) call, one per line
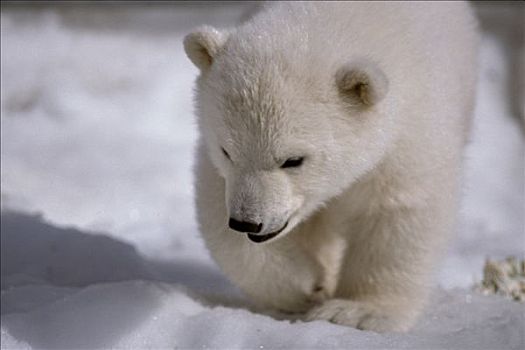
point(287, 128)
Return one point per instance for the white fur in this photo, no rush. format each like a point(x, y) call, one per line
point(377, 97)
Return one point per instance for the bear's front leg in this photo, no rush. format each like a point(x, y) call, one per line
point(385, 275)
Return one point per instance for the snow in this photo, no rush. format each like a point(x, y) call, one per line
point(99, 244)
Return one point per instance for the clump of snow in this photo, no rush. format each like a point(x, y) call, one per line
point(99, 244)
point(506, 278)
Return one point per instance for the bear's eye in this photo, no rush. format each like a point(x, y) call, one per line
point(293, 162)
point(225, 153)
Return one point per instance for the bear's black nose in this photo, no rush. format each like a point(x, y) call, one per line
point(244, 226)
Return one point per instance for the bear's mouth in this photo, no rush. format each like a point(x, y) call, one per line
point(268, 236)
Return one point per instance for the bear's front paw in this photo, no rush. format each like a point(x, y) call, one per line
point(361, 315)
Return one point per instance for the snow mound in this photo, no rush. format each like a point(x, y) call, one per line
point(75, 290)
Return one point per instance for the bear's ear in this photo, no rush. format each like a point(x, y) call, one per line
point(202, 46)
point(361, 83)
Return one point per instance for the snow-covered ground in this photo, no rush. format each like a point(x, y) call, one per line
point(99, 244)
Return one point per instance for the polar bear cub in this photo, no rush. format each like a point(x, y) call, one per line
point(331, 138)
